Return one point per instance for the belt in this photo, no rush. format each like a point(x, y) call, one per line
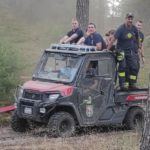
point(130, 52)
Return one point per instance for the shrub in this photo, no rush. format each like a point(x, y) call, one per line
point(9, 69)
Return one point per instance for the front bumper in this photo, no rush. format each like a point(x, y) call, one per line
point(30, 109)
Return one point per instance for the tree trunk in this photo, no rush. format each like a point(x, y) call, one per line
point(145, 140)
point(82, 13)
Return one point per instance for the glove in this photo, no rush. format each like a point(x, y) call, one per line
point(120, 56)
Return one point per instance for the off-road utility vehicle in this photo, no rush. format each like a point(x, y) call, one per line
point(76, 86)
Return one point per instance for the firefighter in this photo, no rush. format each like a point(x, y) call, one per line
point(127, 53)
point(94, 38)
point(73, 35)
point(139, 25)
point(82, 39)
point(108, 36)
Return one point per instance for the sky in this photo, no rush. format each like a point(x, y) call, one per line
point(113, 5)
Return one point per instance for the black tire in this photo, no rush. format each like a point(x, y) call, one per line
point(61, 124)
point(19, 124)
point(34, 124)
point(135, 119)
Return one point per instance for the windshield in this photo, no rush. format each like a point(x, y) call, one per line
point(59, 67)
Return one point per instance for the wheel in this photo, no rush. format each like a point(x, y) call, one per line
point(19, 124)
point(135, 119)
point(61, 124)
point(33, 124)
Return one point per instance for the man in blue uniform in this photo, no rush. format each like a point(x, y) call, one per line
point(139, 25)
point(127, 44)
point(74, 35)
point(94, 38)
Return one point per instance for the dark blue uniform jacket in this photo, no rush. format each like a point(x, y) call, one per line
point(95, 38)
point(127, 38)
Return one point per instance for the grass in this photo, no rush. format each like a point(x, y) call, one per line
point(6, 102)
point(113, 140)
point(4, 119)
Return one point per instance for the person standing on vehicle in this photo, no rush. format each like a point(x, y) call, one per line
point(74, 35)
point(94, 38)
point(108, 36)
point(139, 25)
point(127, 55)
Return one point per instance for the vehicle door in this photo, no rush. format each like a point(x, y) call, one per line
point(94, 86)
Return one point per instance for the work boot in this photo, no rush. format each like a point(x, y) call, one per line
point(133, 86)
point(123, 88)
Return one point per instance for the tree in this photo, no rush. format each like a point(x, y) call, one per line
point(82, 13)
point(145, 141)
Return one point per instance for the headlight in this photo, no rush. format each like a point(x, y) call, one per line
point(19, 92)
point(53, 97)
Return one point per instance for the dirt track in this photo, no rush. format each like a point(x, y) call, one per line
point(39, 140)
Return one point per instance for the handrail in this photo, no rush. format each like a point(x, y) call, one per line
point(73, 47)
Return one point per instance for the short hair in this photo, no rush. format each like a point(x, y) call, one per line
point(91, 23)
point(107, 34)
point(129, 15)
point(110, 32)
point(74, 19)
point(140, 21)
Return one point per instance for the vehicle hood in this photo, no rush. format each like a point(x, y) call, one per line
point(39, 86)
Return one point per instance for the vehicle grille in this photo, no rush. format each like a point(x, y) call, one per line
point(32, 95)
point(27, 103)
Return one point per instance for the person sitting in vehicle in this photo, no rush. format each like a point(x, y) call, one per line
point(139, 25)
point(92, 69)
point(74, 35)
point(82, 39)
point(93, 38)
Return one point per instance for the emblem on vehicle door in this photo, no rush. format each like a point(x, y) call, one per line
point(89, 107)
